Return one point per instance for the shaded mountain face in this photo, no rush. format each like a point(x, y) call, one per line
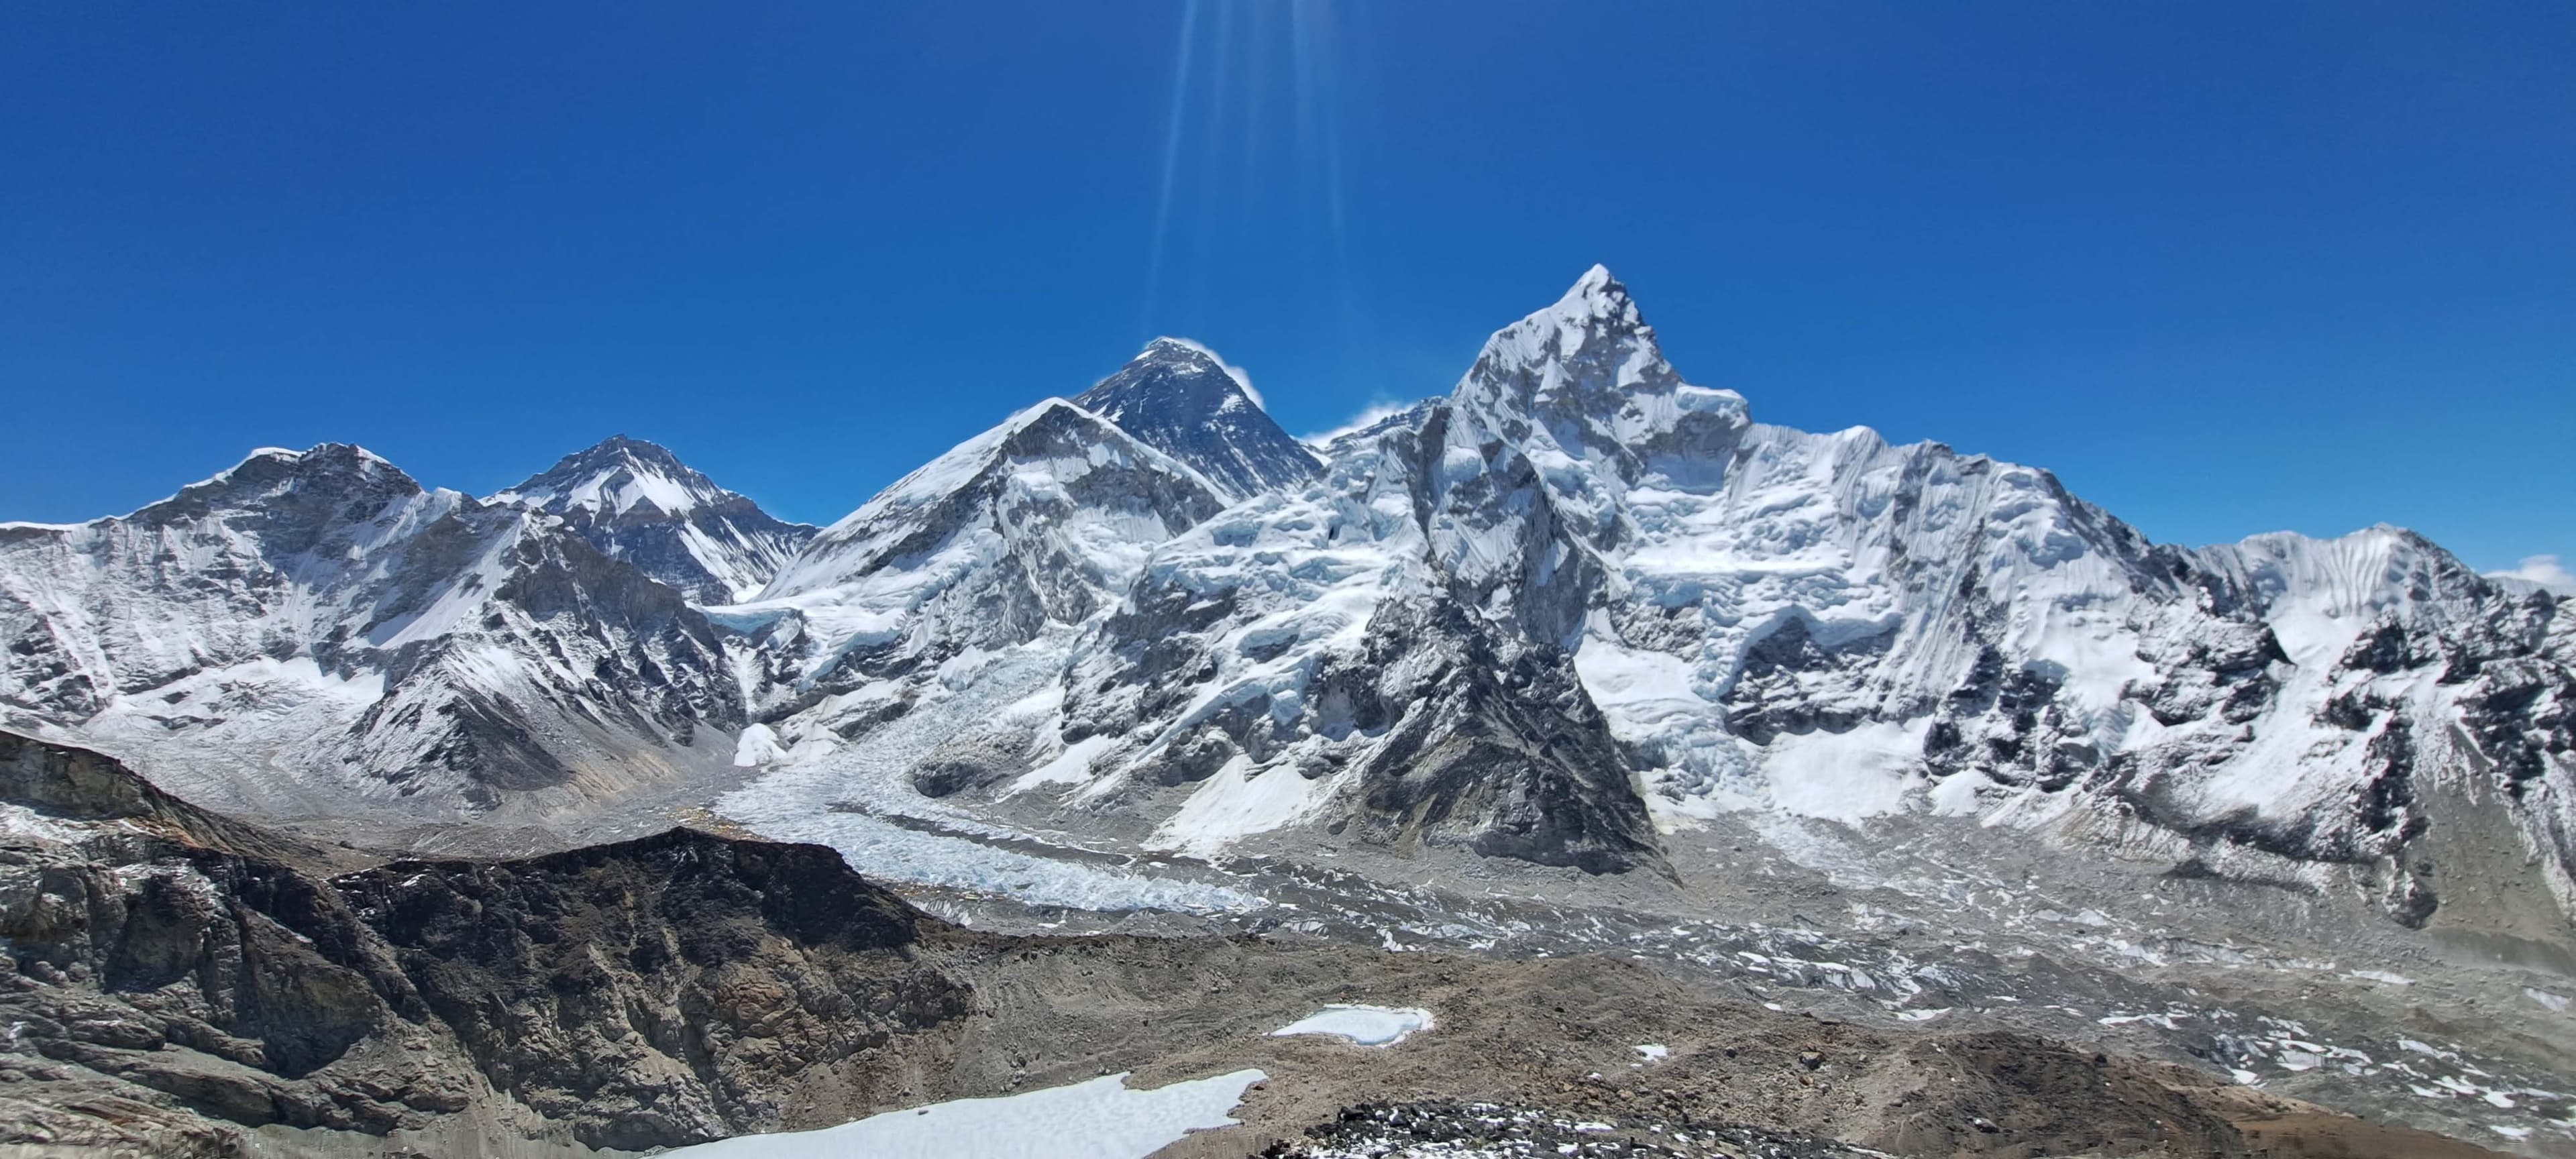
point(638, 503)
point(1178, 398)
point(313, 632)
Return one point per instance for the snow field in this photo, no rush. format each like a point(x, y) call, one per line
point(1100, 1119)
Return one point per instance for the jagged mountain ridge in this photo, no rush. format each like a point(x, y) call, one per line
point(1710, 614)
point(636, 501)
point(309, 632)
point(1574, 604)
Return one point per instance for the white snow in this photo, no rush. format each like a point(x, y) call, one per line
point(1377, 411)
point(1242, 379)
point(1846, 776)
point(1070, 767)
point(1103, 1118)
point(1653, 1051)
point(1363, 1025)
point(20, 821)
point(1240, 799)
point(758, 745)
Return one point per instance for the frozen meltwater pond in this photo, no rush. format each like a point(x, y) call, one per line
point(1100, 1119)
point(1365, 1025)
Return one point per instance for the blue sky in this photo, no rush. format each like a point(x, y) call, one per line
point(2226, 268)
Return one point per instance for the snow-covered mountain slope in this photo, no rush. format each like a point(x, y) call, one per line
point(639, 503)
point(313, 632)
point(1580, 601)
point(1026, 529)
point(1179, 398)
point(1575, 607)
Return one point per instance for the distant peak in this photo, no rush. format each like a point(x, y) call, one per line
point(319, 455)
point(1179, 398)
point(612, 476)
point(336, 466)
point(1162, 360)
point(1170, 347)
point(617, 447)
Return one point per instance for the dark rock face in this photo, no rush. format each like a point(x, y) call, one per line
point(655, 992)
point(1792, 682)
point(1495, 746)
point(638, 503)
point(144, 945)
point(1178, 399)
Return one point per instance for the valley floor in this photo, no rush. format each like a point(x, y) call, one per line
point(1913, 923)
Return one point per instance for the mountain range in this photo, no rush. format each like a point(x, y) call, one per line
point(1568, 610)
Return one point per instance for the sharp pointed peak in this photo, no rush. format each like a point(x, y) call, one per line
point(1169, 346)
point(1170, 355)
point(1596, 295)
point(1596, 308)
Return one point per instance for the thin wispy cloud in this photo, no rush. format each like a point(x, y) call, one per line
point(2544, 570)
point(1377, 411)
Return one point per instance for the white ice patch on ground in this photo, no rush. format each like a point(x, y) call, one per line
point(1654, 1051)
point(1100, 1119)
point(1363, 1025)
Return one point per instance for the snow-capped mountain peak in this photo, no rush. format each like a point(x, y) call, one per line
point(614, 476)
point(1575, 605)
point(1178, 397)
point(1042, 520)
point(1587, 360)
point(316, 620)
point(271, 469)
point(636, 501)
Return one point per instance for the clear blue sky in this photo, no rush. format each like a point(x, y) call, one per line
point(2226, 268)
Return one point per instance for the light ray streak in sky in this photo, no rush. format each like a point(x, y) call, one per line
point(1171, 156)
